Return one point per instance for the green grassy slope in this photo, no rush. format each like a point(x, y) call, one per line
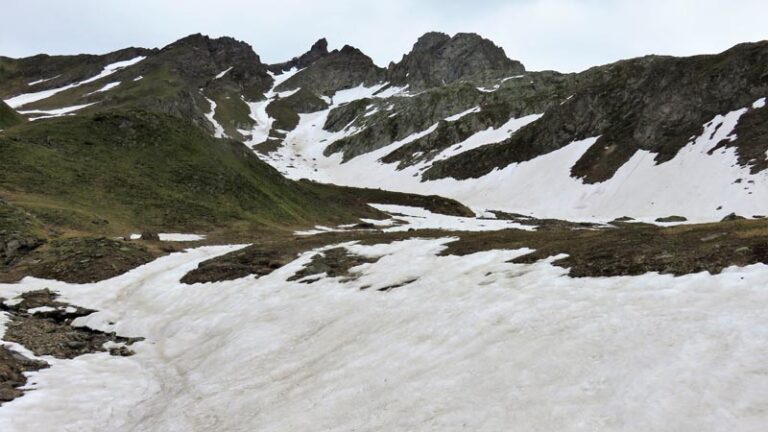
point(8, 117)
point(113, 172)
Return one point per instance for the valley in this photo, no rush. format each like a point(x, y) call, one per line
point(192, 239)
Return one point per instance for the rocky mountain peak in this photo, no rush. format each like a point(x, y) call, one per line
point(318, 50)
point(438, 59)
point(339, 69)
point(430, 40)
point(197, 58)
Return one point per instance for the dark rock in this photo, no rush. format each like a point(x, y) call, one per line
point(318, 51)
point(733, 217)
point(623, 219)
point(12, 368)
point(339, 70)
point(669, 219)
point(150, 236)
point(438, 59)
point(335, 262)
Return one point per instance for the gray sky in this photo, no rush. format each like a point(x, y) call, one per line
point(566, 35)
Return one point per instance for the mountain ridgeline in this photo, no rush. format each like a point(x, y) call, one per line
point(453, 108)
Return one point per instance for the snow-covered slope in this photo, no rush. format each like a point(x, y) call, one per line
point(468, 343)
point(694, 184)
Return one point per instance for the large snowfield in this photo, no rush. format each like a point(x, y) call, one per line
point(471, 343)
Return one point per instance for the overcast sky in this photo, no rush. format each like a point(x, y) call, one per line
point(566, 35)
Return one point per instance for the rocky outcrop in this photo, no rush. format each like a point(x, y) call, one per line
point(341, 69)
point(438, 59)
point(13, 369)
point(652, 103)
point(319, 50)
point(198, 58)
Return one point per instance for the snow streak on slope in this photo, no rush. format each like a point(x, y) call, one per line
point(488, 136)
point(27, 98)
point(42, 114)
point(694, 184)
point(464, 343)
point(218, 129)
point(405, 218)
point(107, 87)
point(263, 126)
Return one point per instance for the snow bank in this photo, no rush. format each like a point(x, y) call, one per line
point(465, 343)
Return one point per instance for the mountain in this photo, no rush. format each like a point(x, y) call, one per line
point(438, 59)
point(453, 116)
point(318, 50)
point(426, 242)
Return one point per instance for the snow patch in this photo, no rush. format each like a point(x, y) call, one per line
point(221, 74)
point(106, 87)
point(40, 81)
point(173, 237)
point(456, 117)
point(43, 114)
point(218, 129)
point(24, 99)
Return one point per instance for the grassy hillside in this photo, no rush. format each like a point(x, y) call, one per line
point(8, 117)
point(132, 170)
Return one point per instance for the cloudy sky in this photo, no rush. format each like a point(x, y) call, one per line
point(566, 35)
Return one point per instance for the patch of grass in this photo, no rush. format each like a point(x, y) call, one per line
point(9, 117)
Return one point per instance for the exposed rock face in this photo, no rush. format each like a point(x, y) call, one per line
point(653, 103)
point(318, 51)
point(198, 58)
point(339, 70)
point(437, 59)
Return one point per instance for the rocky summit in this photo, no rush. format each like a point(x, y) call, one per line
point(192, 238)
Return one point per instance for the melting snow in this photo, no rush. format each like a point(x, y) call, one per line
point(488, 136)
point(464, 343)
point(27, 98)
point(694, 184)
point(217, 127)
point(419, 218)
point(405, 218)
point(40, 81)
point(760, 103)
point(106, 87)
point(41, 309)
point(43, 114)
point(221, 74)
point(455, 117)
point(175, 237)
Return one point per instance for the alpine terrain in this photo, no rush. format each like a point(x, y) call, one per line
point(194, 240)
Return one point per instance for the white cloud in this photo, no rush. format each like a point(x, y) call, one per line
point(544, 34)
